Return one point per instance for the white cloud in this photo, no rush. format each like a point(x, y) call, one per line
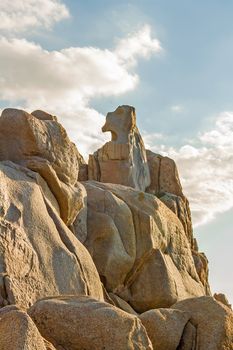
point(21, 15)
point(206, 169)
point(139, 44)
point(63, 82)
point(151, 139)
point(29, 72)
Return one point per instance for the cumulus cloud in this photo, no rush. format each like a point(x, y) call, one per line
point(139, 44)
point(206, 169)
point(29, 72)
point(64, 82)
point(21, 15)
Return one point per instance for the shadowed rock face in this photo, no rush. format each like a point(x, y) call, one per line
point(123, 159)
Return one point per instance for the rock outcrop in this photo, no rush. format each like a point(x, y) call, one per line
point(132, 242)
point(123, 159)
point(99, 255)
point(38, 142)
point(39, 255)
point(165, 184)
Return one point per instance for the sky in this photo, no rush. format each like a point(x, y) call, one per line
point(171, 60)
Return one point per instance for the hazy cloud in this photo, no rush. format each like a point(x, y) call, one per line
point(21, 15)
point(206, 169)
point(177, 108)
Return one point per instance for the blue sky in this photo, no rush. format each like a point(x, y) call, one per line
point(72, 58)
point(195, 69)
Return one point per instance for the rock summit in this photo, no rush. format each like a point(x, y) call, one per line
point(99, 255)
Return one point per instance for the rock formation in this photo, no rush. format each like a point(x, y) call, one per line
point(213, 322)
point(131, 239)
point(99, 255)
point(86, 323)
point(123, 159)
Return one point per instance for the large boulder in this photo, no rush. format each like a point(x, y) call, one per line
point(111, 239)
point(39, 255)
point(123, 159)
point(164, 175)
point(139, 247)
point(165, 184)
point(78, 323)
point(18, 332)
point(165, 327)
point(25, 135)
point(213, 322)
point(40, 143)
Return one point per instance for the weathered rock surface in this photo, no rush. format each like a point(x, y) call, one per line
point(123, 159)
point(85, 323)
point(139, 247)
point(213, 322)
point(165, 327)
point(222, 298)
point(83, 168)
point(165, 183)
point(106, 166)
point(111, 238)
point(100, 252)
point(18, 332)
point(40, 143)
point(201, 264)
point(39, 255)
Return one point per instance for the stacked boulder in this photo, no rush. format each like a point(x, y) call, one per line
point(98, 255)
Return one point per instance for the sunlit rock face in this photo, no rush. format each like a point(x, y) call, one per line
point(139, 247)
point(37, 141)
point(166, 185)
point(101, 255)
point(123, 159)
point(39, 255)
point(113, 222)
